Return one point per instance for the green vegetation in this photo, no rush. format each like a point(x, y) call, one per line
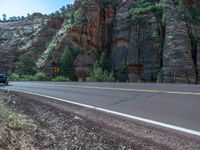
point(143, 8)
point(63, 11)
point(181, 8)
point(66, 64)
point(193, 14)
point(73, 17)
point(103, 62)
point(122, 73)
point(160, 74)
point(12, 18)
point(4, 17)
point(111, 2)
point(76, 51)
point(25, 65)
point(100, 72)
point(50, 48)
point(146, 7)
point(14, 120)
point(39, 76)
point(26, 70)
point(61, 79)
point(85, 2)
point(98, 75)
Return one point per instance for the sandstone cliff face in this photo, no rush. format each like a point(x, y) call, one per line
point(87, 34)
point(28, 35)
point(156, 47)
point(178, 64)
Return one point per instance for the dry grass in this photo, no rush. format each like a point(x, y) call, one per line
point(13, 119)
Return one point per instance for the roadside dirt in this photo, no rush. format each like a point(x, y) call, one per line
point(66, 126)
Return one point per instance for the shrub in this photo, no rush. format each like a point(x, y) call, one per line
point(193, 13)
point(73, 17)
point(27, 78)
point(66, 64)
point(122, 73)
point(13, 119)
point(40, 76)
point(26, 65)
point(111, 2)
point(98, 75)
point(15, 77)
point(146, 7)
point(61, 79)
point(103, 62)
point(84, 2)
point(37, 77)
point(143, 8)
point(76, 51)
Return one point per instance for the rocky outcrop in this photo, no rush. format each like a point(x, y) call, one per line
point(178, 64)
point(28, 35)
point(135, 44)
point(195, 36)
point(88, 35)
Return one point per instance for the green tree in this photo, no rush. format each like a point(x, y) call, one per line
point(98, 75)
point(4, 17)
point(66, 64)
point(103, 62)
point(181, 8)
point(26, 65)
point(122, 73)
point(63, 9)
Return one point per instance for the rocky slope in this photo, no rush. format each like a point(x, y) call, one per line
point(159, 40)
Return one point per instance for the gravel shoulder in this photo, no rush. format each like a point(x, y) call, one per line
point(66, 126)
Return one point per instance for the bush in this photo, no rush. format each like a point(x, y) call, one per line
point(98, 75)
point(27, 78)
point(61, 79)
point(40, 76)
point(15, 77)
point(122, 73)
point(37, 77)
point(66, 64)
point(26, 65)
point(13, 119)
point(111, 2)
point(146, 7)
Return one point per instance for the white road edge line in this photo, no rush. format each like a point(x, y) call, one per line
point(184, 130)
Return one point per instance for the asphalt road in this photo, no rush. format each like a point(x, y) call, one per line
point(177, 105)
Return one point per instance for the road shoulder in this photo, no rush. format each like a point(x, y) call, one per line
point(114, 131)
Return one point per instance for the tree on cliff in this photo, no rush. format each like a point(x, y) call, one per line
point(100, 72)
point(4, 17)
point(66, 64)
point(26, 65)
point(122, 73)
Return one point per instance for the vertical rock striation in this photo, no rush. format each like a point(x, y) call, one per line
point(178, 64)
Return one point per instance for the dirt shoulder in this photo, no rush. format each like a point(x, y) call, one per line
point(65, 126)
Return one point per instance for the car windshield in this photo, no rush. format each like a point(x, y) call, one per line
point(2, 75)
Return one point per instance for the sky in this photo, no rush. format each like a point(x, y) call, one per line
point(22, 7)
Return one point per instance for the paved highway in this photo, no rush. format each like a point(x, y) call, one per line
point(177, 105)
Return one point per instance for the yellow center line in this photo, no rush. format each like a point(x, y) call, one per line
point(137, 90)
point(123, 89)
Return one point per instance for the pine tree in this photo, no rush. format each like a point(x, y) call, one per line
point(66, 64)
point(122, 73)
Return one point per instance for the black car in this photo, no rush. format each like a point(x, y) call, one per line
point(4, 78)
